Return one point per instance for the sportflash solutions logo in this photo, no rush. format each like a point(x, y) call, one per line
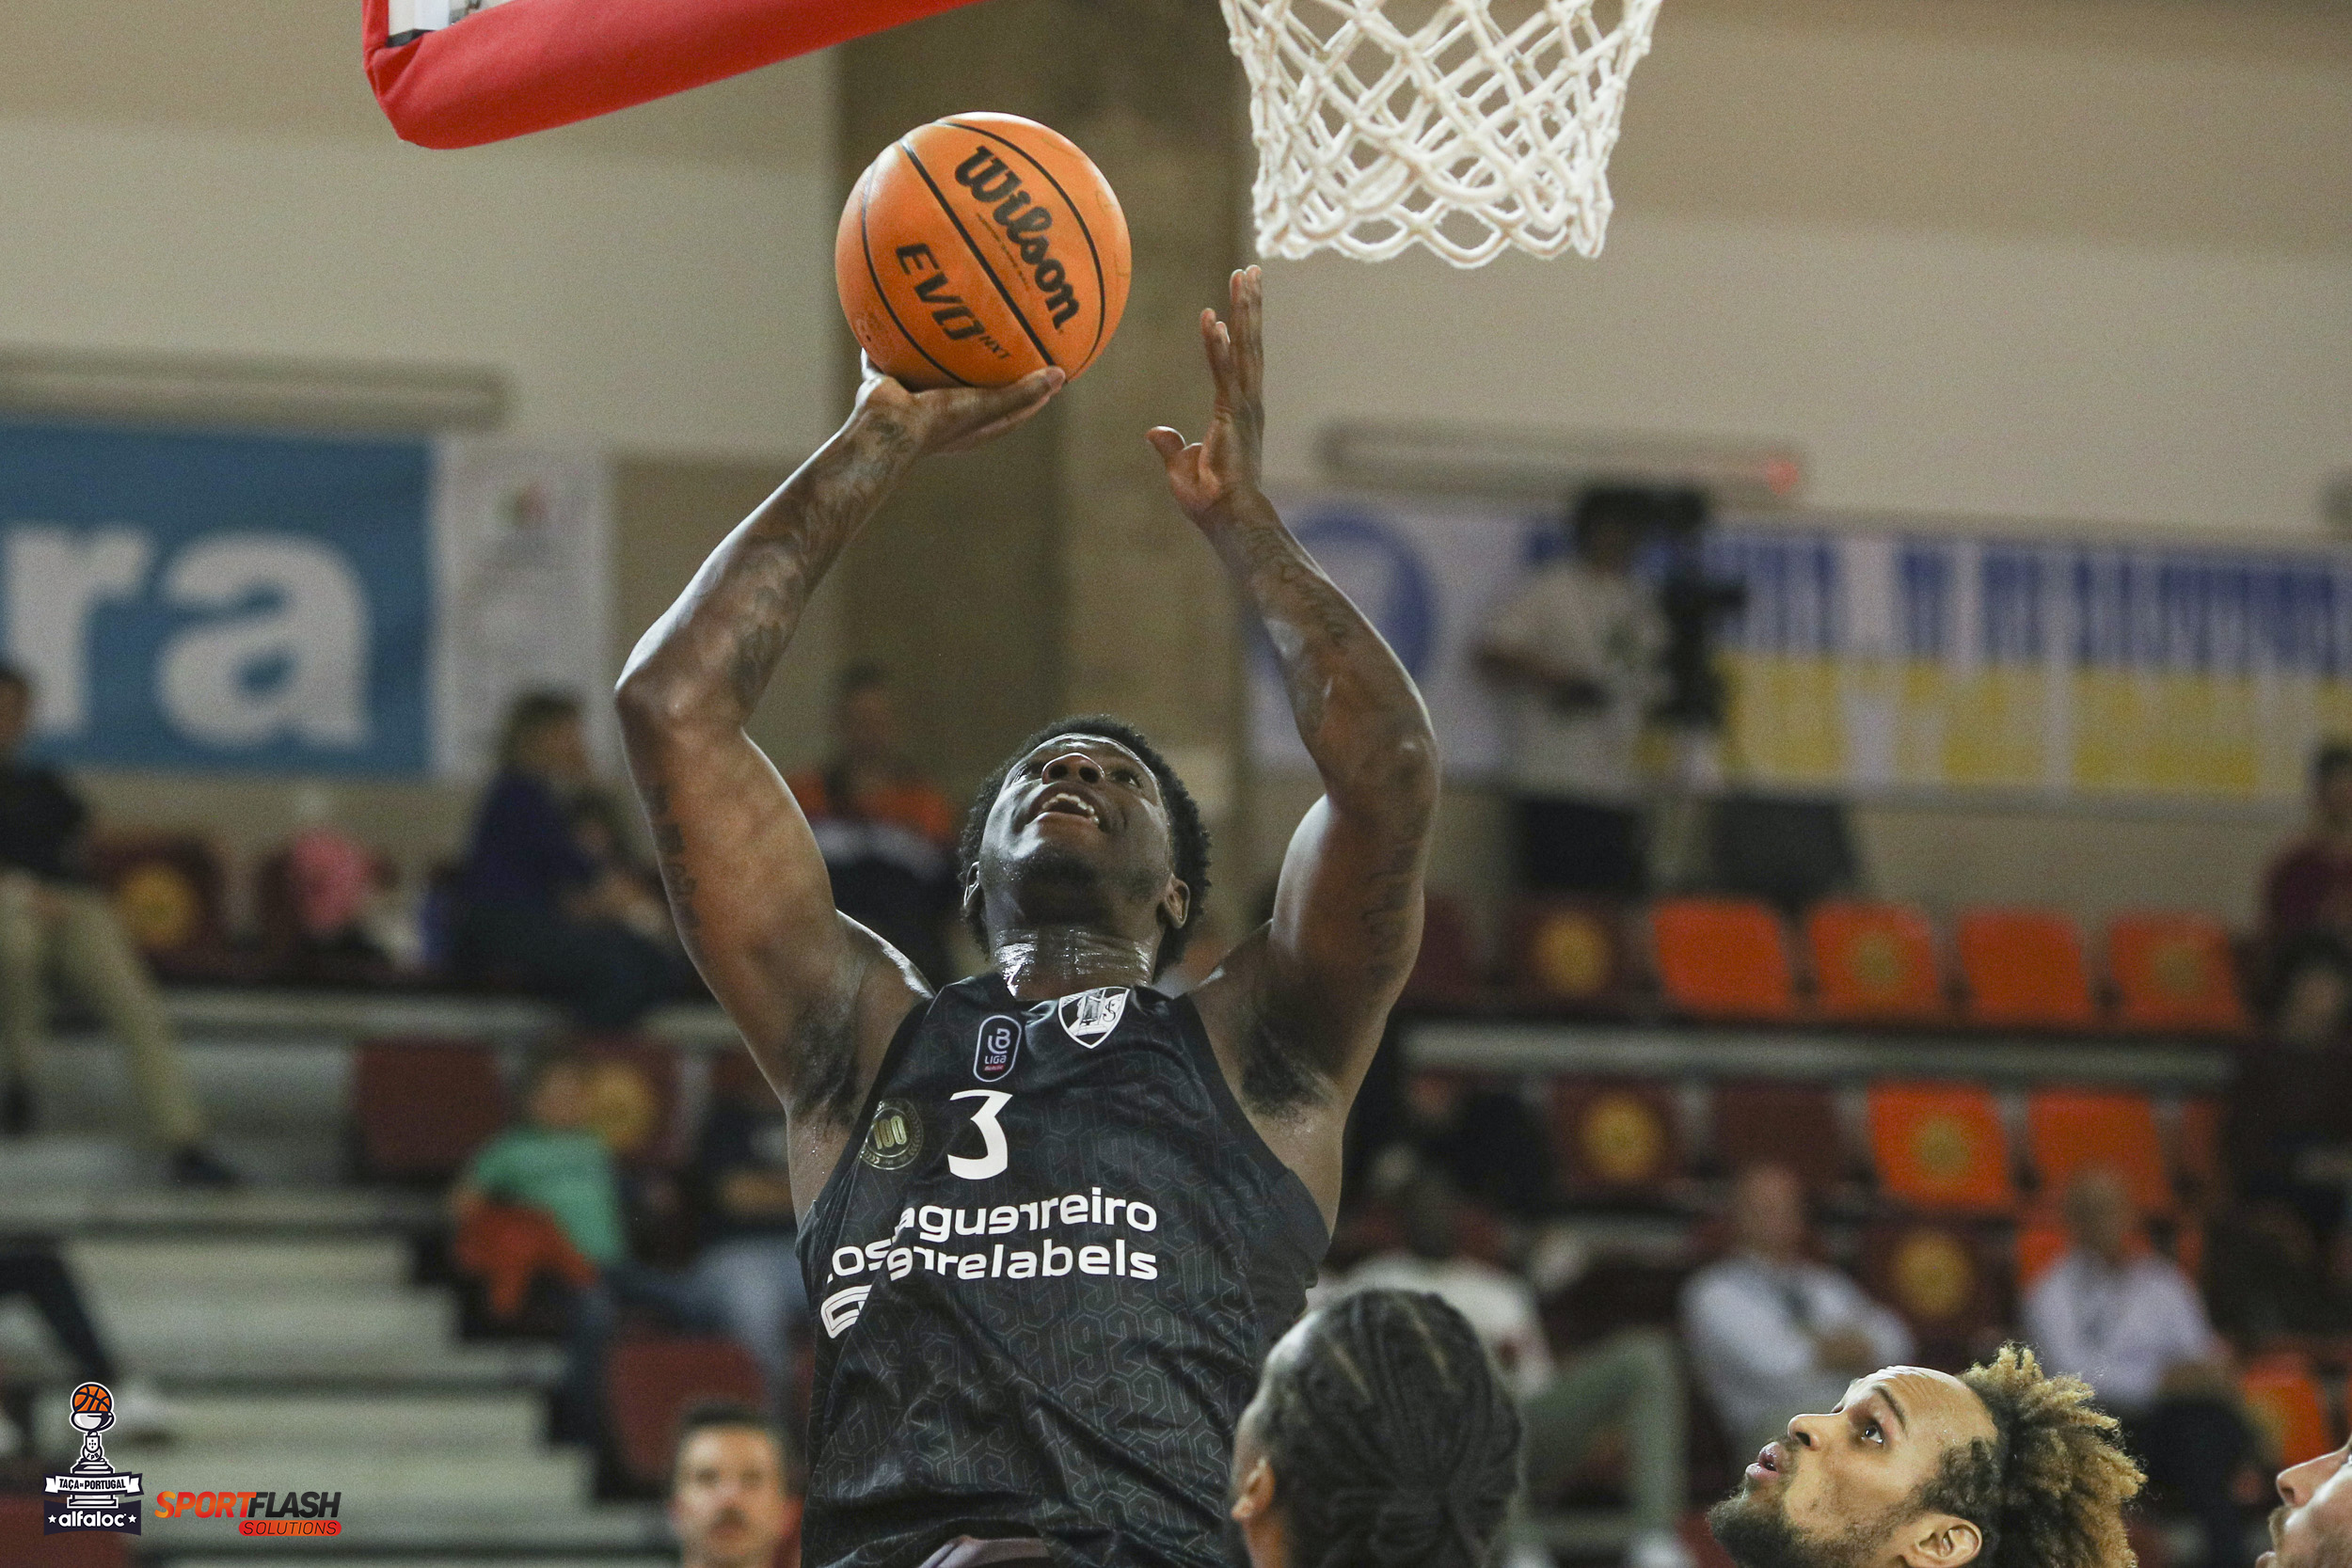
point(259, 1513)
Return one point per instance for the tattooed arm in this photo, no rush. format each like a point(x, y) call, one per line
point(816, 995)
point(1297, 1008)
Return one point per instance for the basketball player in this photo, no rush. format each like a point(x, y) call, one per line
point(2002, 1465)
point(1052, 1217)
point(2311, 1527)
point(1381, 1437)
point(729, 1504)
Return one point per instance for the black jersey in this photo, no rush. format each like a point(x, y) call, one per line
point(1046, 1272)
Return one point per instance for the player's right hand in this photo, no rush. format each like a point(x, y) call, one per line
point(954, 418)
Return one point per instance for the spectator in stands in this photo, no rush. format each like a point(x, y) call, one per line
point(1772, 1333)
point(887, 834)
point(1920, 1469)
point(553, 1163)
point(1576, 653)
point(1630, 1385)
point(599, 824)
point(748, 1269)
point(35, 1270)
point(537, 908)
point(2307, 910)
point(2312, 1527)
point(2128, 1322)
point(731, 1497)
point(55, 922)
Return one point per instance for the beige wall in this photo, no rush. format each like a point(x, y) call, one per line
point(2067, 259)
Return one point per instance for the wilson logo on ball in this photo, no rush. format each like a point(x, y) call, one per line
point(986, 177)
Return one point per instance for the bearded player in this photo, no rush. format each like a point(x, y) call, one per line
point(1052, 1217)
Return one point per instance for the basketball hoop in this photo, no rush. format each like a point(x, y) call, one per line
point(1387, 123)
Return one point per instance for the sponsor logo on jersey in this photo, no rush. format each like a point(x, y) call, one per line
point(993, 1053)
point(1089, 1017)
point(895, 1139)
point(842, 1307)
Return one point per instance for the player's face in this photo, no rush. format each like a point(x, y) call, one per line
point(2311, 1527)
point(1836, 1491)
point(1078, 830)
point(728, 1502)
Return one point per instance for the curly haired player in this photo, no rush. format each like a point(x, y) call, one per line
point(2003, 1466)
point(1053, 1216)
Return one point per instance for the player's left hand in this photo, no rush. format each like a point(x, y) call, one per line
point(1210, 476)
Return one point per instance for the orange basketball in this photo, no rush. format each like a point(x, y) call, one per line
point(92, 1398)
point(979, 249)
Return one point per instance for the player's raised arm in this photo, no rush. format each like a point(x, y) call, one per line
point(814, 995)
point(1317, 983)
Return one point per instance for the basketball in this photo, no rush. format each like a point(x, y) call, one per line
point(979, 249)
point(92, 1398)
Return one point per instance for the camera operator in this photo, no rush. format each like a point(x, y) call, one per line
point(1578, 652)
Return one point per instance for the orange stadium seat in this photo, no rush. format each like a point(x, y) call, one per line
point(2042, 1241)
point(1615, 1135)
point(2174, 972)
point(1446, 971)
point(1724, 959)
point(2025, 970)
point(649, 1383)
point(2072, 1129)
point(1941, 1147)
point(1570, 952)
point(1875, 963)
point(1934, 1275)
point(2289, 1413)
point(167, 888)
point(634, 1101)
point(1781, 1124)
point(422, 1107)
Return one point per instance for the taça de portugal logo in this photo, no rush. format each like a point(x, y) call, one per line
point(93, 1495)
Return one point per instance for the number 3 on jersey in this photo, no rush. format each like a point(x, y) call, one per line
point(995, 1154)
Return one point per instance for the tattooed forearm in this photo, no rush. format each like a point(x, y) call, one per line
point(669, 846)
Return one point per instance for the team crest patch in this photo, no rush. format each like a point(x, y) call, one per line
point(1000, 1044)
point(1091, 1016)
point(895, 1139)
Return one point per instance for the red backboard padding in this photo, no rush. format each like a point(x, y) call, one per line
point(530, 65)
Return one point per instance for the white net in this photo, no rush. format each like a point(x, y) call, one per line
point(1464, 126)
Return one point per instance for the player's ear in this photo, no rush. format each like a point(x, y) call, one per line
point(1254, 1498)
point(1941, 1540)
point(1176, 904)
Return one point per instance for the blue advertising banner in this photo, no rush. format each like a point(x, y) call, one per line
point(1900, 654)
point(219, 602)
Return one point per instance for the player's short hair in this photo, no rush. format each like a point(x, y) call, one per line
point(2049, 1491)
point(533, 711)
point(1187, 834)
point(727, 1416)
point(1394, 1442)
point(2332, 758)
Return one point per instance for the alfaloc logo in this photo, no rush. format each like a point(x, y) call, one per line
point(93, 1495)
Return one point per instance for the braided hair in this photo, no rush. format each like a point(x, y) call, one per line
point(1392, 1440)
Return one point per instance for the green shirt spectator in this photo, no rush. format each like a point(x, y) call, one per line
point(566, 1171)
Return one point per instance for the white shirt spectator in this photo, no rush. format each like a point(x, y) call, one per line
point(2117, 1329)
point(1605, 627)
point(1750, 1326)
point(1500, 1307)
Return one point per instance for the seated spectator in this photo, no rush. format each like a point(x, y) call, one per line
point(554, 1163)
point(35, 1270)
point(749, 1270)
point(2312, 1527)
point(637, 901)
point(54, 922)
point(2307, 910)
point(537, 908)
point(1772, 1334)
point(732, 1503)
point(2127, 1322)
point(887, 834)
point(1630, 1385)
